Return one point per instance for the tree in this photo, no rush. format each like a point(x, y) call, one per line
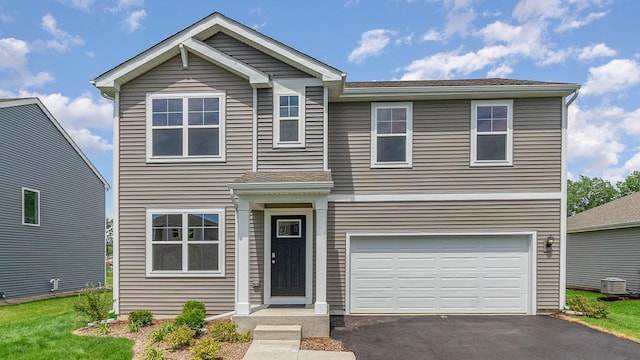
point(630, 185)
point(109, 236)
point(587, 193)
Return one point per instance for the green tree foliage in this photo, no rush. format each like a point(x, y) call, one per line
point(586, 193)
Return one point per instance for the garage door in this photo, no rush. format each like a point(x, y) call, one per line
point(440, 274)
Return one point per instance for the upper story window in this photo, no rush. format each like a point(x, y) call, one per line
point(289, 110)
point(30, 207)
point(492, 133)
point(391, 134)
point(185, 127)
point(185, 242)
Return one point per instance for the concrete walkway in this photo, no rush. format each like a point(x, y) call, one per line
point(290, 350)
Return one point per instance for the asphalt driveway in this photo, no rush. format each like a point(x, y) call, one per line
point(477, 337)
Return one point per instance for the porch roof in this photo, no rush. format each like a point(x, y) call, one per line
point(289, 182)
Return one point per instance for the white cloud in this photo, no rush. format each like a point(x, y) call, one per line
point(432, 35)
point(62, 41)
point(91, 144)
point(132, 22)
point(405, 40)
point(459, 22)
point(534, 9)
point(596, 51)
point(578, 22)
point(124, 5)
point(13, 53)
point(616, 75)
point(371, 43)
point(350, 3)
point(459, 4)
point(90, 54)
point(78, 4)
point(13, 61)
point(501, 71)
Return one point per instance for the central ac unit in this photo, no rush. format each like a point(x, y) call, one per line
point(613, 286)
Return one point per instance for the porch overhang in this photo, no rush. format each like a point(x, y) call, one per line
point(283, 183)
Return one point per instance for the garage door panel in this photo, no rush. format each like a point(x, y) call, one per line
point(440, 274)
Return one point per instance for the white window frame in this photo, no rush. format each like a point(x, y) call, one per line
point(474, 133)
point(408, 163)
point(185, 157)
point(38, 204)
point(289, 88)
point(185, 243)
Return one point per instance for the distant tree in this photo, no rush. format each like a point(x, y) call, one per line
point(629, 185)
point(109, 236)
point(587, 193)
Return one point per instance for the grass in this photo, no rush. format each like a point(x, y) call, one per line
point(109, 280)
point(41, 330)
point(623, 318)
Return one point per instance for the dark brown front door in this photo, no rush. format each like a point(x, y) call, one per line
point(288, 238)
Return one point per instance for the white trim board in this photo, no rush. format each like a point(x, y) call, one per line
point(443, 197)
point(533, 235)
point(308, 298)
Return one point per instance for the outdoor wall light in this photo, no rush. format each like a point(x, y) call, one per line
point(549, 243)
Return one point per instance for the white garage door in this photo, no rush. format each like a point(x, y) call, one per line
point(440, 274)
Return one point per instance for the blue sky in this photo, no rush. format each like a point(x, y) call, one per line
point(52, 48)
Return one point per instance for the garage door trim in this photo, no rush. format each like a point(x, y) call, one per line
point(532, 235)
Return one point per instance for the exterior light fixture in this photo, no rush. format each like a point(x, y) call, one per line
point(549, 243)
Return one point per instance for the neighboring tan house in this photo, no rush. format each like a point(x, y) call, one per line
point(605, 242)
point(250, 174)
point(52, 205)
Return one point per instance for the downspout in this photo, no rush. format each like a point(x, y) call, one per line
point(563, 202)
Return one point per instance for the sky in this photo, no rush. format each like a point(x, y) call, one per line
point(53, 48)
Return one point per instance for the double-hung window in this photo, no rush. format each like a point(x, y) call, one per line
point(289, 119)
point(185, 127)
point(185, 242)
point(30, 207)
point(492, 133)
point(391, 134)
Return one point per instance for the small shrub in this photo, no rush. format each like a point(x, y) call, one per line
point(151, 353)
point(227, 331)
point(93, 303)
point(103, 328)
point(192, 305)
point(161, 332)
point(180, 337)
point(193, 318)
point(207, 349)
point(140, 318)
point(592, 309)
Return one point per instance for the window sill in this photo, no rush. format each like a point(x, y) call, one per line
point(185, 275)
point(492, 163)
point(185, 159)
point(282, 145)
point(27, 224)
point(392, 166)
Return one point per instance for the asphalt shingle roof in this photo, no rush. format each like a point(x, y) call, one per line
point(622, 212)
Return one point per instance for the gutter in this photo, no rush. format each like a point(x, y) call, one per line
point(605, 227)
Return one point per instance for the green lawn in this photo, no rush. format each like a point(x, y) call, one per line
point(623, 318)
point(41, 330)
point(109, 280)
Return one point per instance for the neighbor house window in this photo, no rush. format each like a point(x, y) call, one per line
point(391, 134)
point(185, 127)
point(491, 133)
point(30, 207)
point(185, 242)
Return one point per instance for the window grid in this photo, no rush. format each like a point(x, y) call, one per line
point(391, 131)
point(491, 143)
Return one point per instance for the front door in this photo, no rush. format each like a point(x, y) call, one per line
point(288, 238)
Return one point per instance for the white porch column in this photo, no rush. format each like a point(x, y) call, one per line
point(321, 306)
point(243, 307)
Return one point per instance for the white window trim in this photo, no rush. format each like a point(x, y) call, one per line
point(474, 133)
point(186, 274)
point(409, 135)
point(22, 213)
point(289, 88)
point(185, 113)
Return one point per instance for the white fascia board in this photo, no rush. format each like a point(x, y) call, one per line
point(36, 101)
point(456, 92)
point(443, 197)
point(257, 78)
point(604, 227)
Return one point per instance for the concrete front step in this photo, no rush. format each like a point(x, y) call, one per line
point(312, 325)
point(277, 332)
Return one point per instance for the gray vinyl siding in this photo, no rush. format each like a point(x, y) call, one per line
point(69, 243)
point(254, 57)
point(178, 185)
point(595, 255)
point(308, 158)
point(542, 216)
point(441, 150)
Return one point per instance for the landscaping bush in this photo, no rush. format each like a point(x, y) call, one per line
point(161, 332)
point(180, 337)
point(192, 305)
point(207, 349)
point(592, 309)
point(151, 353)
point(93, 303)
point(227, 331)
point(140, 318)
point(193, 314)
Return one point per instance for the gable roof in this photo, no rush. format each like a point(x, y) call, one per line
point(620, 213)
point(5, 103)
point(192, 37)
